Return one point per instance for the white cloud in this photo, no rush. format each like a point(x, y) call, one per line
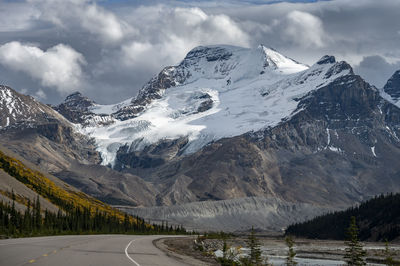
point(40, 95)
point(127, 42)
point(167, 34)
point(376, 69)
point(58, 67)
point(98, 21)
point(304, 29)
point(17, 17)
point(85, 15)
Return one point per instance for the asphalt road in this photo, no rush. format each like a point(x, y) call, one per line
point(96, 250)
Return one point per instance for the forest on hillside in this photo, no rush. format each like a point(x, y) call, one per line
point(378, 219)
point(78, 213)
point(35, 222)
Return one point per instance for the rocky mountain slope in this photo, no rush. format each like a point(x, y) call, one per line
point(45, 138)
point(23, 181)
point(10, 185)
point(229, 123)
point(340, 148)
point(392, 88)
point(235, 215)
point(78, 109)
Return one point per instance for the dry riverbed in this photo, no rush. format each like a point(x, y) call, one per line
point(309, 252)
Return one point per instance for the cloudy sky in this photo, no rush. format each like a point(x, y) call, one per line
point(108, 49)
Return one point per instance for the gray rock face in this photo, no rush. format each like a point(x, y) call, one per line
point(76, 101)
point(392, 87)
point(27, 122)
point(267, 214)
point(206, 104)
point(78, 109)
point(327, 59)
point(210, 53)
point(75, 107)
point(151, 91)
point(151, 156)
point(21, 111)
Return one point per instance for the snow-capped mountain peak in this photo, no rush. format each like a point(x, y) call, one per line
point(233, 63)
point(215, 92)
point(281, 62)
point(216, 62)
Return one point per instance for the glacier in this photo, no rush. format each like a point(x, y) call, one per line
point(219, 91)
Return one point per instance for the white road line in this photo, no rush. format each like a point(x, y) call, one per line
point(127, 255)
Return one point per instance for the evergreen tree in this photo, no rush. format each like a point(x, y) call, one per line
point(226, 259)
point(126, 222)
point(291, 253)
point(37, 214)
point(27, 218)
point(354, 251)
point(388, 256)
point(255, 251)
point(224, 249)
point(13, 218)
point(1, 217)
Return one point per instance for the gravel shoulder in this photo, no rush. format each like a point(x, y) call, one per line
point(181, 248)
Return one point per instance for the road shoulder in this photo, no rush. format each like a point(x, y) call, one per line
point(171, 252)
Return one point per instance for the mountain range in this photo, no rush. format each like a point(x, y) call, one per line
point(228, 139)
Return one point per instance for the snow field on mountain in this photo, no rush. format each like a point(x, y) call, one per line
point(250, 89)
point(109, 108)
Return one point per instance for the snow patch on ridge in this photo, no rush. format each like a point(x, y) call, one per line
point(389, 98)
point(373, 151)
point(284, 64)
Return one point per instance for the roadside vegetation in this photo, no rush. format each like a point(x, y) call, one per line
point(227, 249)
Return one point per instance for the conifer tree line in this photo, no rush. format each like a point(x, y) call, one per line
point(378, 219)
point(34, 222)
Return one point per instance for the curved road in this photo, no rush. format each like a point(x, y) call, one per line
point(96, 250)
